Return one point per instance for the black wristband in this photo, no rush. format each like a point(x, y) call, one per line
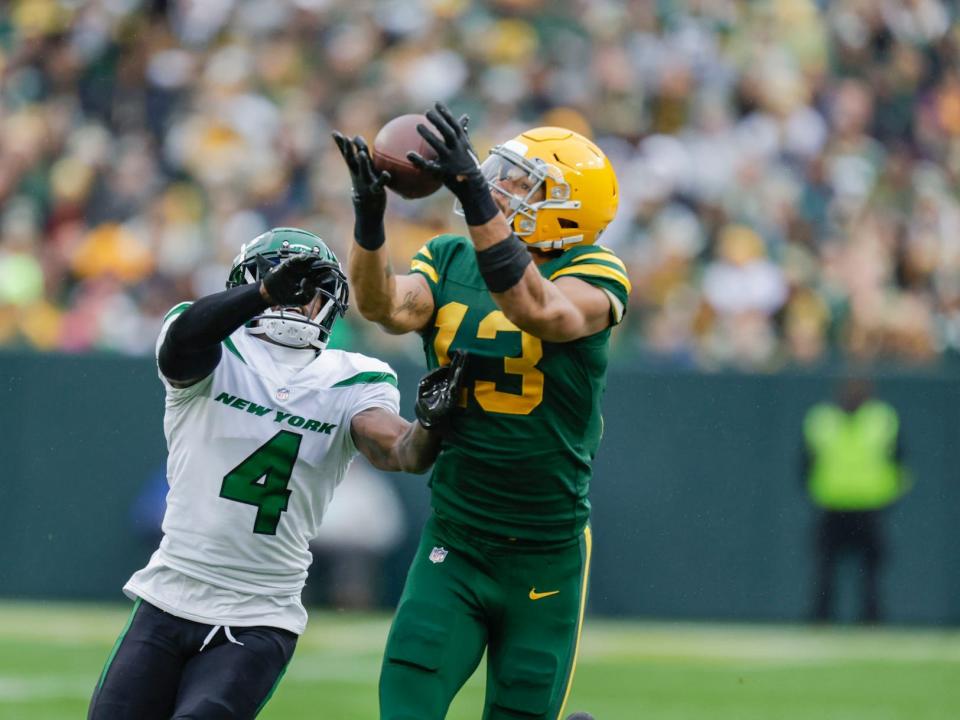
point(368, 223)
point(368, 233)
point(474, 195)
point(502, 265)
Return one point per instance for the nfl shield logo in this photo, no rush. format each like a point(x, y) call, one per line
point(283, 394)
point(438, 555)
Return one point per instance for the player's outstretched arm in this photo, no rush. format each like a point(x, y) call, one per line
point(391, 443)
point(401, 303)
point(398, 303)
point(191, 348)
point(561, 310)
point(558, 312)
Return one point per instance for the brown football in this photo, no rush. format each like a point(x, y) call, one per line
point(390, 148)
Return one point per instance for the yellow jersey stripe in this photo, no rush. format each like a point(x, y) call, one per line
point(426, 269)
point(425, 251)
point(594, 270)
point(588, 542)
point(606, 257)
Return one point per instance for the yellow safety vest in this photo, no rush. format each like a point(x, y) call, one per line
point(854, 467)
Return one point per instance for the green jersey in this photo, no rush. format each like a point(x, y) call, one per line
point(516, 462)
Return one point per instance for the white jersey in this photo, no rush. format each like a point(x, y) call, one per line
point(256, 451)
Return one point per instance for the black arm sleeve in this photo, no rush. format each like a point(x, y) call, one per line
point(191, 349)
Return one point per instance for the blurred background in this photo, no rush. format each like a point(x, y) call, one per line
point(789, 215)
point(788, 169)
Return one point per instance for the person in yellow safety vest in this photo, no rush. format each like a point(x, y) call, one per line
point(852, 470)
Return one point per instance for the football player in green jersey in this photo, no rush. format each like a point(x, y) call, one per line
point(504, 559)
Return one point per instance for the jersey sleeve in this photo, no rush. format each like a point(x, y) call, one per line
point(175, 392)
point(430, 259)
point(600, 267)
point(370, 382)
point(382, 393)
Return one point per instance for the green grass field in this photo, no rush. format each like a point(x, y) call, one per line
point(51, 655)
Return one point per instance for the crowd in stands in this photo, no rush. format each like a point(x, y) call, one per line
point(789, 169)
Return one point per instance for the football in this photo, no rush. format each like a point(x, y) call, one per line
point(390, 148)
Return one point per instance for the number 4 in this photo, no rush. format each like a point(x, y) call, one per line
point(262, 478)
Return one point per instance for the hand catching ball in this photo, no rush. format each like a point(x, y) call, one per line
point(390, 148)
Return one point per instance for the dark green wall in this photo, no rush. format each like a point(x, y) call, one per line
point(698, 508)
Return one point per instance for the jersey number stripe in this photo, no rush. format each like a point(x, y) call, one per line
point(449, 319)
point(262, 478)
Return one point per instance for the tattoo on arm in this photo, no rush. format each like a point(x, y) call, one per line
point(411, 304)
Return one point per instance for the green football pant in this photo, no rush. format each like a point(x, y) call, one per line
point(523, 603)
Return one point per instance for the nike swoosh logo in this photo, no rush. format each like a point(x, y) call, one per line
point(534, 595)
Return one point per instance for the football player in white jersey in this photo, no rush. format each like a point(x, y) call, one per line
point(261, 423)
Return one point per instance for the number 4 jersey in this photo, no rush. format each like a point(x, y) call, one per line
point(256, 450)
point(517, 462)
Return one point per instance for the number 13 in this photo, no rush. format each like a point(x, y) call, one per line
point(449, 318)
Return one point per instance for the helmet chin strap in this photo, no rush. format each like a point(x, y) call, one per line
point(292, 329)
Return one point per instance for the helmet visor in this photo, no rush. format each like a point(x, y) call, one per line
point(516, 180)
point(521, 186)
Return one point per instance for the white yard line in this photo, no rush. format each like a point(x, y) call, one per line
point(43, 688)
point(780, 644)
point(344, 635)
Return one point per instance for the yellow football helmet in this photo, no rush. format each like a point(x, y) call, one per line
point(561, 188)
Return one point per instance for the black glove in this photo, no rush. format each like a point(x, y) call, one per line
point(369, 196)
point(456, 164)
point(294, 281)
point(439, 391)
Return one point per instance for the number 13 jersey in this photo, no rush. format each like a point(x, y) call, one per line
point(256, 450)
point(517, 461)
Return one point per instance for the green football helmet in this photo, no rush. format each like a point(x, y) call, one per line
point(289, 326)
